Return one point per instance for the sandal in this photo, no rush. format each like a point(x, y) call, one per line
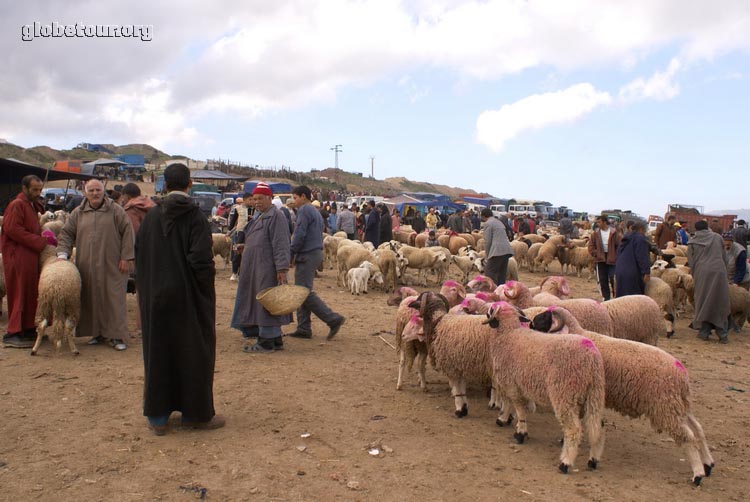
point(256, 347)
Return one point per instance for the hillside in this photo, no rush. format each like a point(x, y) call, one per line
point(45, 156)
point(326, 179)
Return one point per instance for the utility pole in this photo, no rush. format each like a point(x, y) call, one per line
point(372, 166)
point(336, 149)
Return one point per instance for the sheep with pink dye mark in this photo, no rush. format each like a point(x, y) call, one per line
point(454, 292)
point(643, 381)
point(565, 372)
point(410, 344)
point(481, 283)
point(589, 313)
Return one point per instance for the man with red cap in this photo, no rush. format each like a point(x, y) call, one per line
point(21, 242)
point(265, 262)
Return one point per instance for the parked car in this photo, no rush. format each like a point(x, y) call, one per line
point(205, 204)
point(57, 198)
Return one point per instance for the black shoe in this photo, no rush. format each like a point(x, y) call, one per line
point(300, 334)
point(278, 343)
point(335, 326)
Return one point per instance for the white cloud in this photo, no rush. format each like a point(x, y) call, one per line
point(218, 57)
point(496, 127)
point(660, 86)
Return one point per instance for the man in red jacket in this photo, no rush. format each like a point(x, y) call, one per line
point(21, 242)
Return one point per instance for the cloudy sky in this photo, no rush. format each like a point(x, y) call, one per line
point(591, 104)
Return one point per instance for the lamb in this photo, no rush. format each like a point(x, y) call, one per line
point(643, 381)
point(739, 306)
point(350, 256)
point(663, 295)
point(548, 251)
point(590, 313)
point(457, 345)
point(59, 300)
point(358, 277)
point(222, 246)
point(635, 317)
point(565, 372)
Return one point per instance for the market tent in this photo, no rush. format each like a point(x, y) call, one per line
point(405, 202)
point(214, 175)
point(12, 170)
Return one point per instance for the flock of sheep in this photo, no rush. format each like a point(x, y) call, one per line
point(530, 345)
point(534, 345)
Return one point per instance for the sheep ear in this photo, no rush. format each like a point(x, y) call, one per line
point(521, 315)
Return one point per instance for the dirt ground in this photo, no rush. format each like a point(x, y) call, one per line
point(300, 424)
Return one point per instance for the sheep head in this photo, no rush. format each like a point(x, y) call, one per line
point(401, 293)
point(453, 292)
point(505, 314)
point(432, 307)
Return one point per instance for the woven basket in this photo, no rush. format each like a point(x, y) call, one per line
point(284, 299)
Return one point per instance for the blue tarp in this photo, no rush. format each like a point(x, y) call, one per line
point(276, 186)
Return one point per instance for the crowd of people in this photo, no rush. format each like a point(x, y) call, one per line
point(622, 258)
point(165, 247)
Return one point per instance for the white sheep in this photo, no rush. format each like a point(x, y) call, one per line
point(663, 295)
point(421, 260)
point(358, 277)
point(520, 250)
point(441, 267)
point(330, 247)
point(643, 381)
point(350, 256)
point(565, 372)
point(388, 263)
point(465, 264)
point(59, 300)
point(222, 246)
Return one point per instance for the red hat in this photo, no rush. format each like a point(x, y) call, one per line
point(262, 189)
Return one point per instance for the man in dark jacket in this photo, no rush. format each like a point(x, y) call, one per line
point(372, 226)
point(386, 224)
point(177, 300)
point(418, 224)
point(603, 247)
point(632, 267)
point(665, 232)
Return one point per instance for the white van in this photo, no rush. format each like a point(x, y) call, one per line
point(522, 210)
point(498, 210)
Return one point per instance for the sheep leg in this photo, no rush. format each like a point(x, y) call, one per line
point(458, 390)
point(521, 430)
point(69, 333)
point(39, 335)
point(401, 367)
point(694, 455)
point(592, 422)
point(705, 453)
point(571, 426)
point(421, 366)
